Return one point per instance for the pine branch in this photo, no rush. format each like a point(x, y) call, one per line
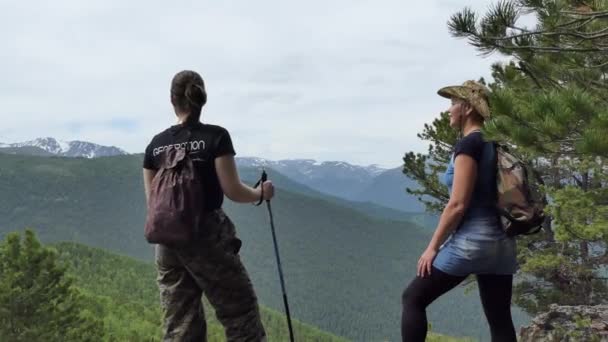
point(553, 49)
point(440, 144)
point(429, 189)
point(591, 66)
point(601, 259)
point(596, 15)
point(522, 29)
point(578, 181)
point(575, 234)
point(555, 138)
point(503, 16)
point(583, 36)
point(523, 67)
point(583, 22)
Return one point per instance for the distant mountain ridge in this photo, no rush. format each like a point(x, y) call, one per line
point(374, 184)
point(311, 168)
point(335, 178)
point(52, 147)
point(362, 184)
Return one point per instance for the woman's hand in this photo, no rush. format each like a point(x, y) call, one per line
point(268, 190)
point(426, 262)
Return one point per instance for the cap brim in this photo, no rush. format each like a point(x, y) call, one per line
point(450, 92)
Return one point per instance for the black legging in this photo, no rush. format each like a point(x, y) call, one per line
point(495, 292)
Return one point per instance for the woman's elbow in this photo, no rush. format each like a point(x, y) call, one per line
point(230, 192)
point(457, 207)
point(234, 191)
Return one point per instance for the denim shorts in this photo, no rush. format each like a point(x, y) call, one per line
point(462, 255)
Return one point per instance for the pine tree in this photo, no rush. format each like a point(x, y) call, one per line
point(550, 104)
point(569, 44)
point(556, 129)
point(37, 299)
point(427, 168)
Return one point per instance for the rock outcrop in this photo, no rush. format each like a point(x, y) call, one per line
point(568, 324)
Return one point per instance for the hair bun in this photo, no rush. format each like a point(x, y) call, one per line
point(195, 93)
point(188, 93)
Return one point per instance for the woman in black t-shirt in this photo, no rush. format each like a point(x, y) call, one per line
point(211, 265)
point(468, 238)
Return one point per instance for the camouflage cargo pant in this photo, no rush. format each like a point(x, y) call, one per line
point(212, 267)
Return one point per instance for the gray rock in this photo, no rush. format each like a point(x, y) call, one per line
point(568, 324)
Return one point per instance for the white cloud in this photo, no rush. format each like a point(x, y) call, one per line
point(347, 80)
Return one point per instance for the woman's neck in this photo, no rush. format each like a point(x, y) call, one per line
point(470, 127)
point(182, 118)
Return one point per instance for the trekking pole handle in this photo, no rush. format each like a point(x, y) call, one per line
point(264, 176)
point(264, 179)
point(261, 184)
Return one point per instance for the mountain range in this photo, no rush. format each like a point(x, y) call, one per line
point(52, 147)
point(371, 184)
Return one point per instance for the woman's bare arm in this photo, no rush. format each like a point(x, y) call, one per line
point(232, 186)
point(465, 175)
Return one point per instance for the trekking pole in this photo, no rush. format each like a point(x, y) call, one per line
point(276, 253)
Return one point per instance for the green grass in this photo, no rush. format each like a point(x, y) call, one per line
point(442, 338)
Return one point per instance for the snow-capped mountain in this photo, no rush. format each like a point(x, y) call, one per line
point(51, 146)
point(313, 169)
point(331, 177)
point(374, 184)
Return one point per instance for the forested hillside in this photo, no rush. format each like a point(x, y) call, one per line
point(75, 293)
point(344, 270)
point(70, 292)
point(128, 291)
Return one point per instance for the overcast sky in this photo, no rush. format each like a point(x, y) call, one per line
point(327, 80)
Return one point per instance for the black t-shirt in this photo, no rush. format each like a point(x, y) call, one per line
point(206, 143)
point(484, 193)
point(471, 145)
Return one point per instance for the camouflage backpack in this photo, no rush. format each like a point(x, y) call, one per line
point(520, 202)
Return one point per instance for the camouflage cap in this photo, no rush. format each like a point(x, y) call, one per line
point(473, 92)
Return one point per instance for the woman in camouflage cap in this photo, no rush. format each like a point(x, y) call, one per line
point(468, 239)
